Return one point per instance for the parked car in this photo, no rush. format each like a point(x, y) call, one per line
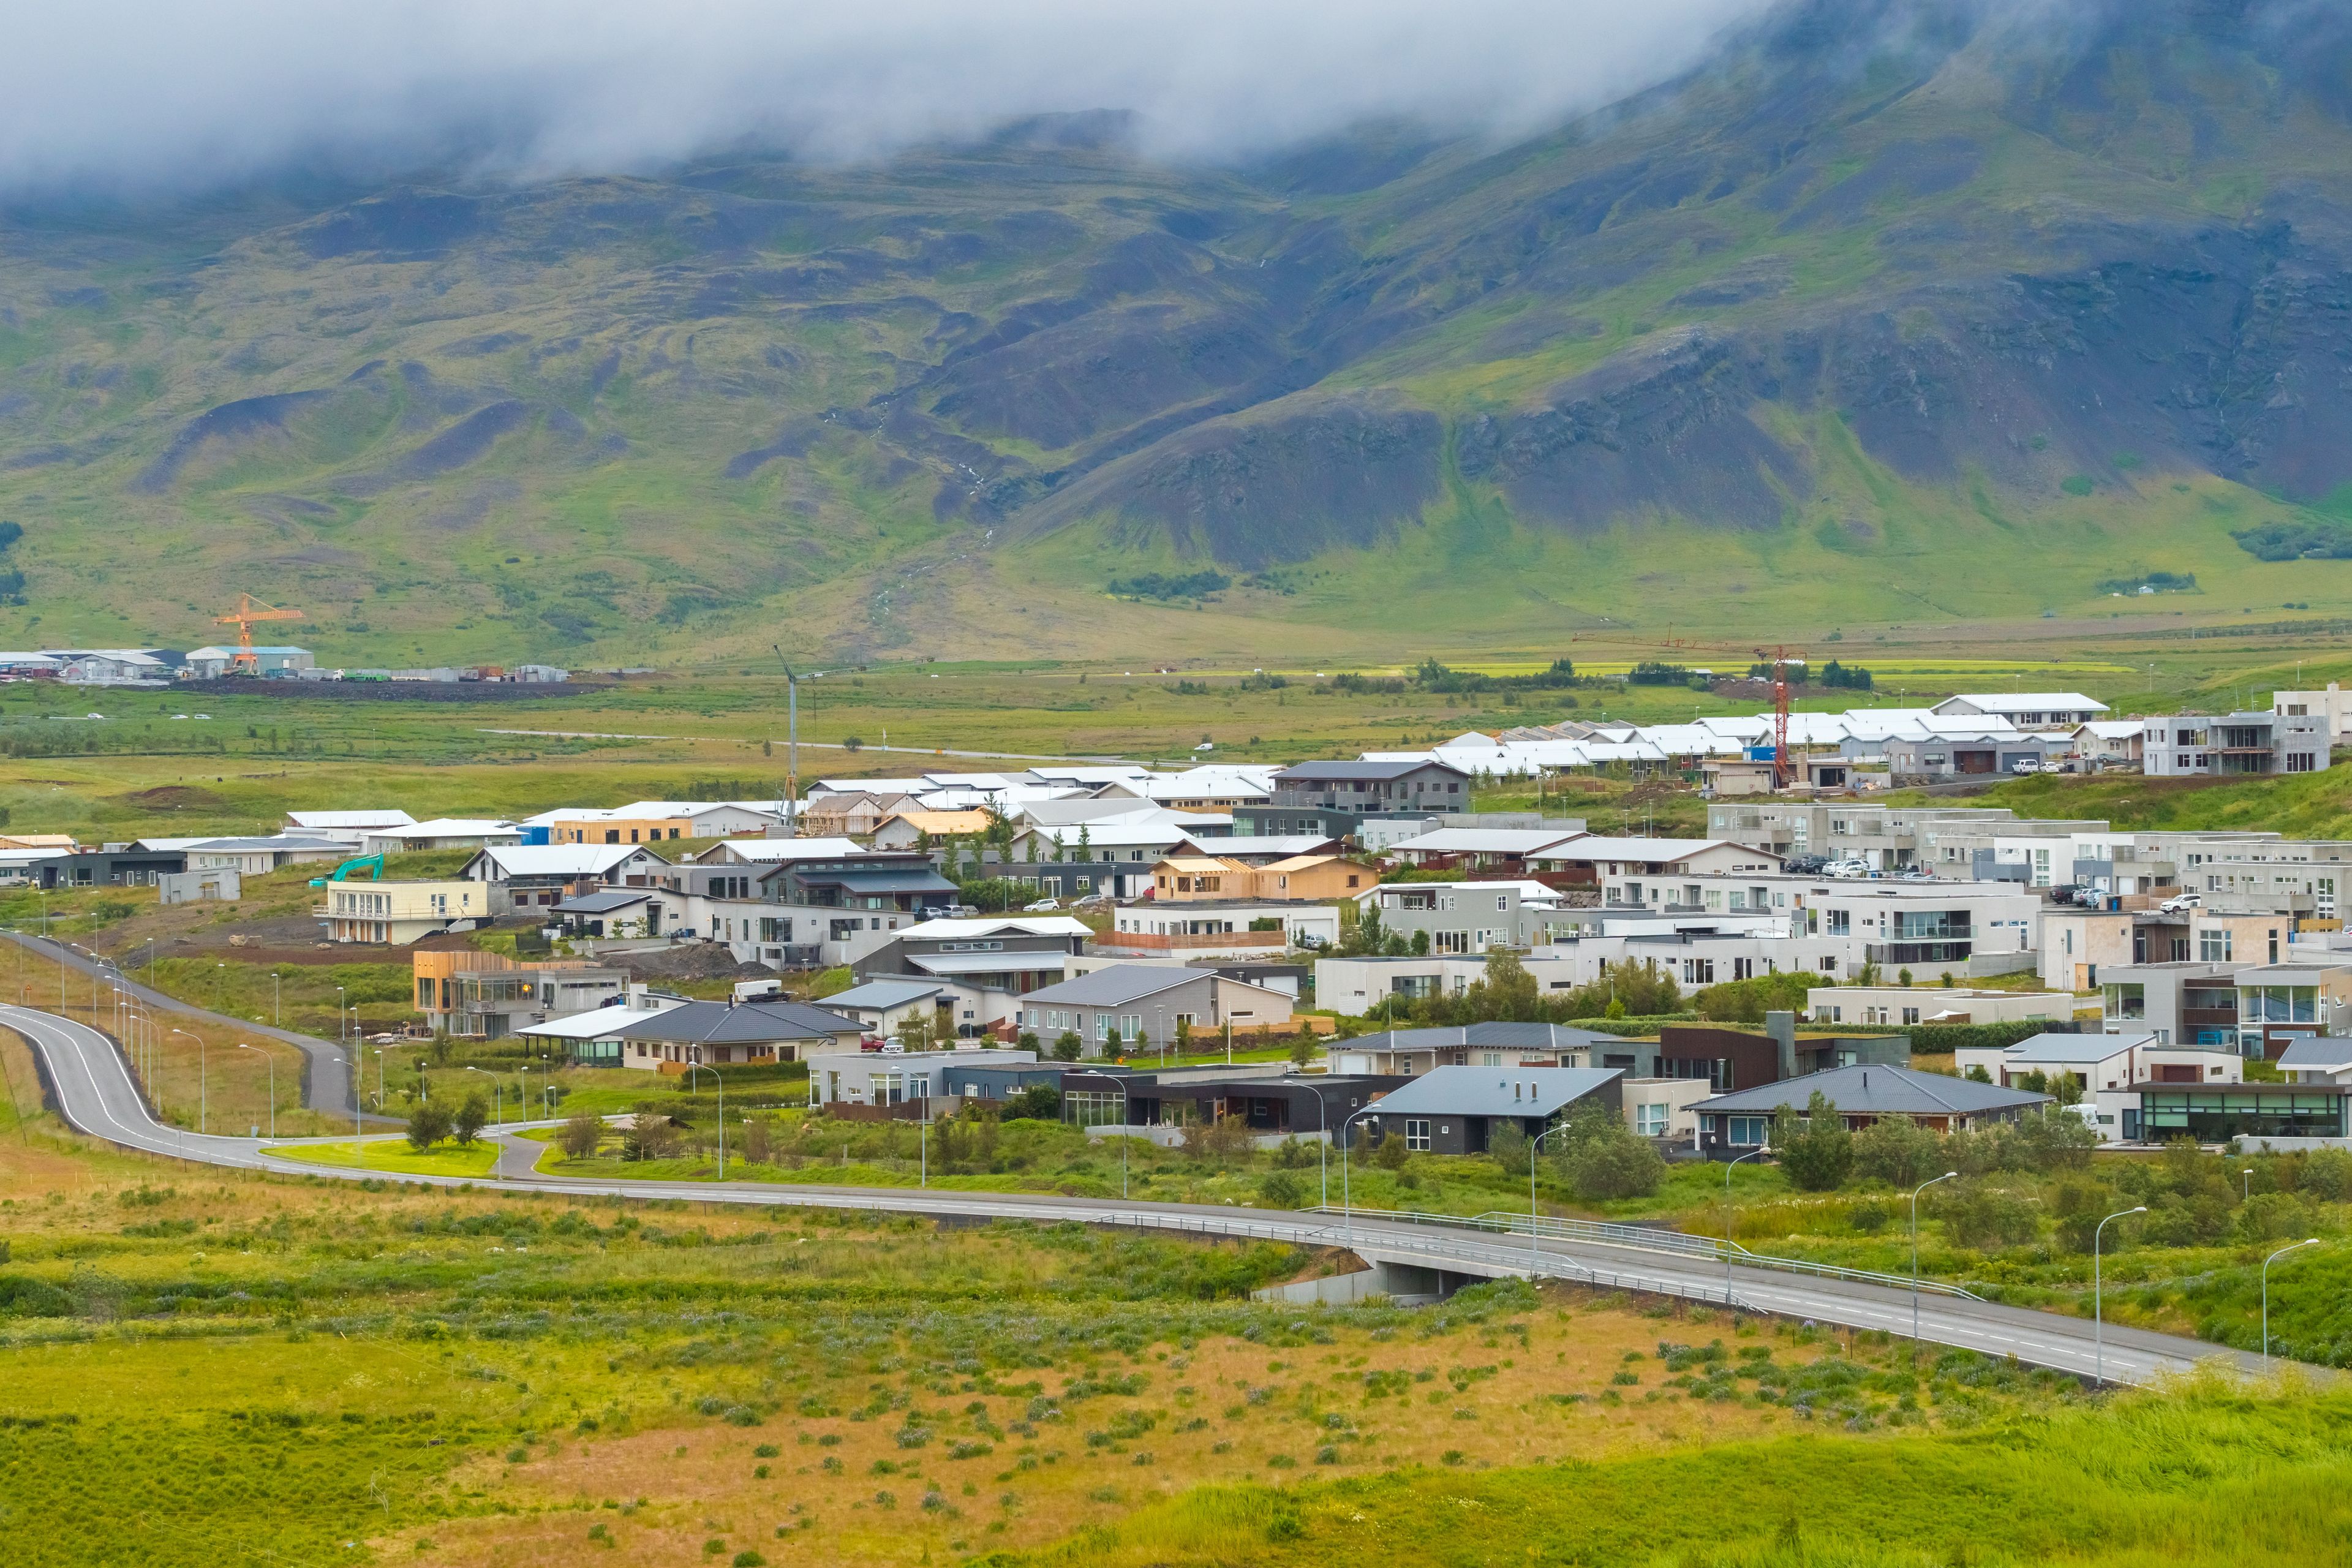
point(1042, 906)
point(2179, 901)
point(1847, 868)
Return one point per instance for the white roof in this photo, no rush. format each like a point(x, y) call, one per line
point(1116, 835)
point(388, 818)
point(449, 828)
point(2024, 701)
point(773, 851)
point(868, 786)
point(593, 1024)
point(560, 859)
point(2113, 729)
point(1600, 847)
point(951, 930)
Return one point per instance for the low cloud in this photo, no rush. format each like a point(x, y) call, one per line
point(141, 95)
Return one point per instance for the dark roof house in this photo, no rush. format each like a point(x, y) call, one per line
point(723, 1032)
point(1457, 1110)
point(1862, 1095)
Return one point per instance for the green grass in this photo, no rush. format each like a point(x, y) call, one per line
point(393, 1156)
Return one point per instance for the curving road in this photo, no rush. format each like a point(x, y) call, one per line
point(91, 1085)
point(326, 1078)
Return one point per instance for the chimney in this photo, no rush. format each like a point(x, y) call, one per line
point(1782, 1028)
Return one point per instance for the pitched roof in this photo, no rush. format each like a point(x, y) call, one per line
point(882, 994)
point(1494, 1092)
point(2064, 1049)
point(765, 850)
point(1116, 984)
point(963, 929)
point(390, 816)
point(2317, 1053)
point(1309, 773)
point(596, 1024)
point(1877, 1090)
point(721, 1023)
point(557, 860)
point(1484, 841)
point(941, 821)
point(602, 903)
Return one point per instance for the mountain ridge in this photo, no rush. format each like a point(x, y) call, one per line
point(1881, 291)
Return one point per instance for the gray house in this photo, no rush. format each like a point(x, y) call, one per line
point(1147, 1002)
point(1743, 1120)
point(1457, 1110)
point(1360, 788)
point(717, 1033)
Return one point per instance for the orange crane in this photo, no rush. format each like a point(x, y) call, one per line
point(1784, 764)
point(250, 610)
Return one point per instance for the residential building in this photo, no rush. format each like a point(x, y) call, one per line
point(1465, 918)
point(1458, 1109)
point(544, 875)
point(2277, 1118)
point(1697, 958)
point(1272, 1102)
point(1134, 840)
point(2101, 1063)
point(1295, 879)
point(593, 1038)
point(487, 995)
point(2332, 705)
point(1662, 1109)
point(401, 912)
point(259, 856)
point(854, 815)
point(2109, 743)
point(1067, 879)
point(1591, 859)
point(2212, 745)
point(442, 833)
point(2082, 949)
point(1235, 928)
point(1499, 851)
point(2281, 1003)
point(719, 1033)
point(2175, 1003)
point(610, 914)
point(2060, 710)
point(988, 962)
point(1149, 1003)
point(1265, 848)
point(883, 1006)
point(1929, 926)
point(1360, 788)
point(2317, 1059)
point(888, 1080)
point(135, 867)
point(1409, 1053)
point(1301, 821)
point(650, 821)
point(914, 828)
point(348, 827)
point(1860, 1095)
point(1735, 1057)
point(1928, 1005)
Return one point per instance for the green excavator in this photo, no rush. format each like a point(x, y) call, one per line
point(372, 864)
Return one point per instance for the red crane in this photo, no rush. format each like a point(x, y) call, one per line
point(1784, 765)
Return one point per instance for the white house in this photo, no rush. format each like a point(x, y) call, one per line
point(441, 832)
point(2060, 710)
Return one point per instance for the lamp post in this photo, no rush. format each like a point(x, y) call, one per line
point(1914, 1257)
point(691, 1069)
point(2246, 1185)
point(424, 1088)
point(1534, 1225)
point(2098, 1312)
point(341, 1034)
point(200, 1077)
point(353, 1068)
point(1751, 1154)
point(1346, 1202)
point(2282, 1252)
point(277, 1002)
point(273, 1083)
point(498, 1112)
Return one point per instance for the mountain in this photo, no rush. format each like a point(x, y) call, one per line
point(1894, 312)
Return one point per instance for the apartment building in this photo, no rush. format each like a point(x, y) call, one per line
point(1357, 788)
point(487, 995)
point(2212, 745)
point(401, 912)
point(2081, 948)
point(1467, 918)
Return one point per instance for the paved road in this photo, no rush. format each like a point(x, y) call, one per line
point(92, 1087)
point(326, 1080)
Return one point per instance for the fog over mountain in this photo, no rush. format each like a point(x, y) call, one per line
point(141, 93)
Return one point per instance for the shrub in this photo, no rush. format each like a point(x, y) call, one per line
point(1985, 1217)
point(580, 1135)
point(1068, 1046)
point(427, 1125)
point(1508, 1148)
point(470, 1118)
point(1620, 1167)
point(1816, 1152)
point(1896, 1151)
point(1391, 1153)
point(1282, 1190)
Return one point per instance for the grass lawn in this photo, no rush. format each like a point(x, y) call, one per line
point(393, 1156)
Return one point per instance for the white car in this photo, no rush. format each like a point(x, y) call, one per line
point(2173, 906)
point(1043, 906)
point(1846, 868)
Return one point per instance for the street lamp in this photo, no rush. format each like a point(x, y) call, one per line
point(2246, 1185)
point(1534, 1226)
point(277, 1002)
point(273, 1083)
point(693, 1067)
point(354, 1070)
point(1728, 1216)
point(200, 1077)
point(497, 1114)
point(1914, 1257)
point(1347, 1200)
point(2098, 1313)
point(2282, 1252)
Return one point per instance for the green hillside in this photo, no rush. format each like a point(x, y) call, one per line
point(1969, 322)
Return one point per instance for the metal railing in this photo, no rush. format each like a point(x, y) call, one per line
point(1646, 1239)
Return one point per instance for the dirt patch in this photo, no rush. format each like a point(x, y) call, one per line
point(688, 961)
point(174, 798)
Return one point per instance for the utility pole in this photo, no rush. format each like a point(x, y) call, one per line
point(791, 745)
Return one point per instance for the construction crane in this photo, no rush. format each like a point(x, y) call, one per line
point(250, 610)
point(1784, 765)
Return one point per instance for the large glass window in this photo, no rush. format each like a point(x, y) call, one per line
point(2215, 1116)
point(1750, 1131)
point(1416, 1135)
point(1931, 925)
point(2125, 1001)
point(1094, 1108)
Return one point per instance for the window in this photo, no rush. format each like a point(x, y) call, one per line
point(2212, 946)
point(1841, 922)
point(1490, 1058)
point(1417, 1136)
point(1650, 1121)
point(1910, 1015)
point(1750, 1131)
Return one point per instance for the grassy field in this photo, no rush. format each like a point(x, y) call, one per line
point(393, 1156)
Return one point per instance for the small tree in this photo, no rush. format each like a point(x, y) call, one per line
point(581, 1134)
point(1510, 1149)
point(1421, 944)
point(1183, 1035)
point(1391, 1154)
point(1817, 1152)
point(427, 1125)
point(1113, 1043)
point(1068, 1046)
point(1903, 977)
point(1302, 1048)
point(1897, 1151)
point(470, 1118)
point(1618, 1166)
point(1026, 1039)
